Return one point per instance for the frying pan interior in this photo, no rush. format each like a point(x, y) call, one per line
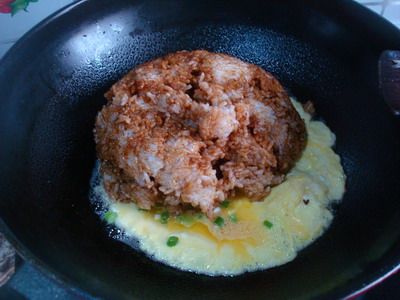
point(52, 84)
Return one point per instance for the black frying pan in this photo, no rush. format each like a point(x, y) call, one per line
point(51, 86)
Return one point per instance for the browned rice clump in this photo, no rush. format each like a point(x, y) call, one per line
point(193, 128)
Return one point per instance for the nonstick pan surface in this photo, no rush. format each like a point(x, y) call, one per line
point(51, 87)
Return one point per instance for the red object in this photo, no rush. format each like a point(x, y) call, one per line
point(5, 6)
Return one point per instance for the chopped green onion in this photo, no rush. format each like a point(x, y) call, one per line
point(110, 217)
point(268, 224)
point(164, 217)
point(224, 204)
point(142, 209)
point(233, 218)
point(219, 221)
point(199, 215)
point(172, 241)
point(185, 219)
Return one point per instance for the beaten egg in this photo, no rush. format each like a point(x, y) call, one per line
point(247, 236)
